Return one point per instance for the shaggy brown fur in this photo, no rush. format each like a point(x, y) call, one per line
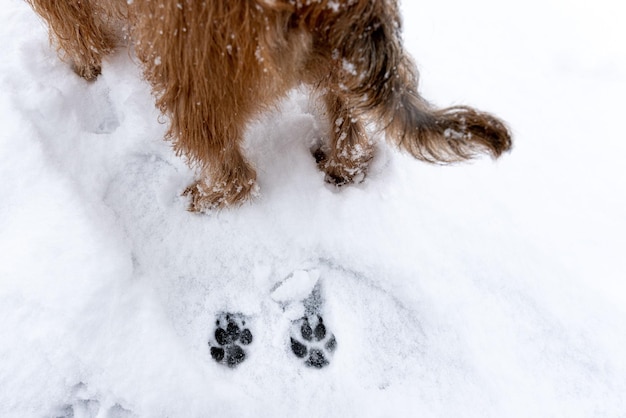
point(214, 65)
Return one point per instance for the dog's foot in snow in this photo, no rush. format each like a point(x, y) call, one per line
point(342, 170)
point(205, 196)
point(230, 335)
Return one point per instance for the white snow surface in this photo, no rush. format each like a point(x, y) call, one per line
point(481, 290)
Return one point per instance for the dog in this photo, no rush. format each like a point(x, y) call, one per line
point(215, 65)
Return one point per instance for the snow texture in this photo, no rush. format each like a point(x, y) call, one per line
point(483, 290)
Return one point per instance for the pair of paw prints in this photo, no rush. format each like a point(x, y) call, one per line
point(230, 335)
point(309, 340)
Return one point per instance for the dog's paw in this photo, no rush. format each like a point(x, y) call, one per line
point(205, 197)
point(343, 171)
point(310, 340)
point(87, 71)
point(230, 334)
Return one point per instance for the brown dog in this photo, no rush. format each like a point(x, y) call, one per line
point(214, 65)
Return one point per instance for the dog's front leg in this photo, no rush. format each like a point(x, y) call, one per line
point(208, 130)
point(81, 32)
point(201, 84)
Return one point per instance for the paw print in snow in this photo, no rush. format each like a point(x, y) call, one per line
point(314, 342)
point(230, 335)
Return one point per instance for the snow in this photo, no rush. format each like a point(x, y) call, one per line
point(297, 286)
point(483, 290)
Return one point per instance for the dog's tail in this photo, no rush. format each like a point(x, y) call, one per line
point(433, 135)
point(438, 135)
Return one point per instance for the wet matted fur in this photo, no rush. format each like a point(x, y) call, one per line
point(214, 65)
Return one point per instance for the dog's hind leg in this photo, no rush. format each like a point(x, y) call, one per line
point(80, 31)
point(377, 80)
point(347, 155)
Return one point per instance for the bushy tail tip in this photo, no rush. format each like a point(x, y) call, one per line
point(443, 136)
